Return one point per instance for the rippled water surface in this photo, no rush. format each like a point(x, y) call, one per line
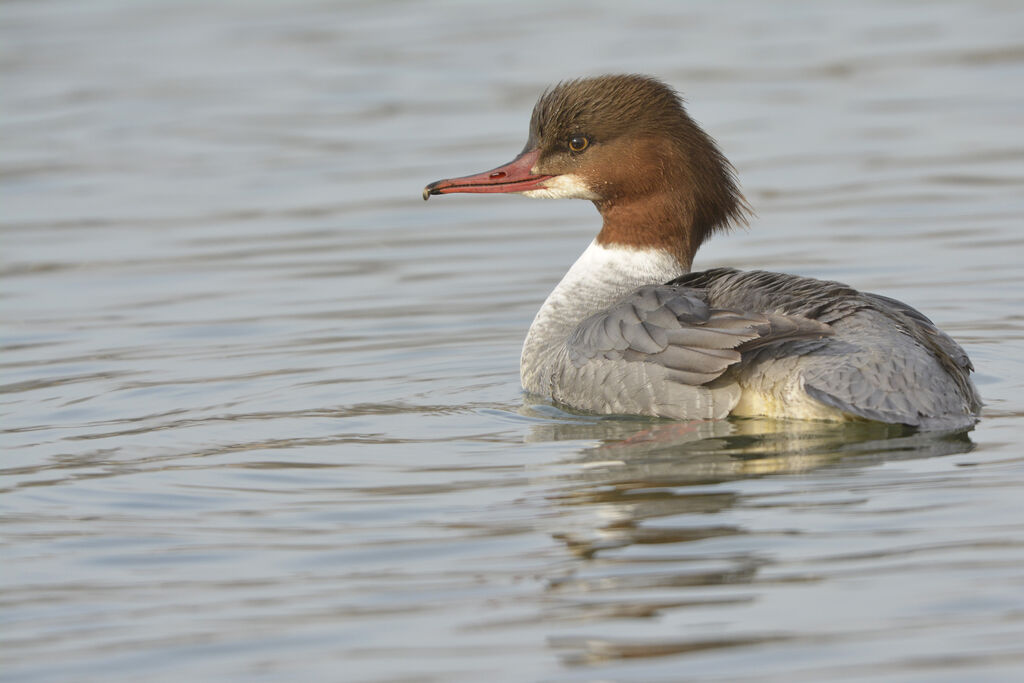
point(261, 415)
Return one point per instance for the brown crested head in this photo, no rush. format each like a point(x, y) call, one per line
point(627, 143)
point(657, 178)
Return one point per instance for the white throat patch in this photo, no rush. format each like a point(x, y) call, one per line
point(566, 186)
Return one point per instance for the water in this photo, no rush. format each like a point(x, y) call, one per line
point(261, 416)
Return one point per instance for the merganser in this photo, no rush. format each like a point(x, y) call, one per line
point(630, 330)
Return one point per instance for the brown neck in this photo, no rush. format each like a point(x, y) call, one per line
point(670, 196)
point(654, 221)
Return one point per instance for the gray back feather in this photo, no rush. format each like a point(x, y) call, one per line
point(663, 344)
point(885, 360)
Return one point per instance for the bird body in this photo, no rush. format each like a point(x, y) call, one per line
point(630, 330)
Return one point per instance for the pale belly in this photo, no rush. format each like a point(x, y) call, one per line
point(787, 400)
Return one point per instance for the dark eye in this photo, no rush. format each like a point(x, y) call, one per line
point(578, 143)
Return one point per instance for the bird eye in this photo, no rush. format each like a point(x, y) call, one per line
point(578, 143)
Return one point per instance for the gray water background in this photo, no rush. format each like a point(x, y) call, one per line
point(260, 409)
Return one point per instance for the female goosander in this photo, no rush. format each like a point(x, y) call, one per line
point(630, 330)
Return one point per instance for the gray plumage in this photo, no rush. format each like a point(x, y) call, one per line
point(884, 361)
point(689, 348)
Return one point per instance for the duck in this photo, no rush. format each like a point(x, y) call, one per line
point(631, 329)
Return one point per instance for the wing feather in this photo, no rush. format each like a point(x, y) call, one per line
point(674, 327)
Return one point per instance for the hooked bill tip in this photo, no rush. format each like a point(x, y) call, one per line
point(431, 189)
